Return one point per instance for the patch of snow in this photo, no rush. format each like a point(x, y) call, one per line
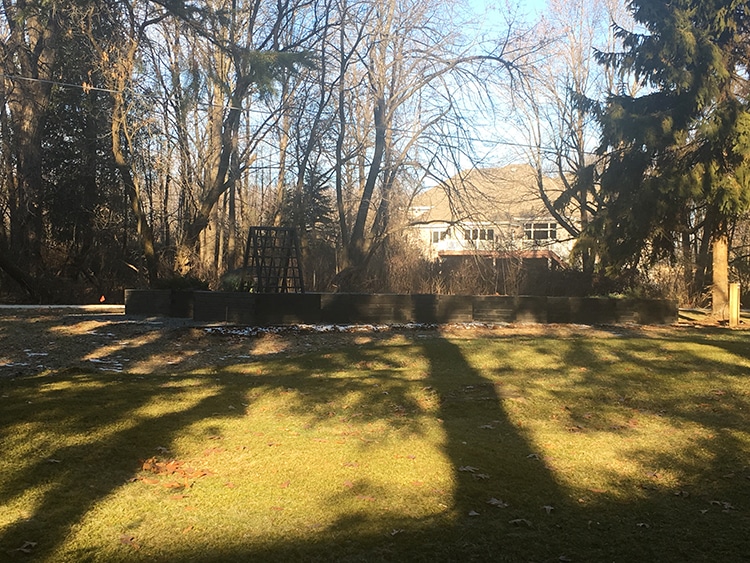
point(107, 365)
point(343, 328)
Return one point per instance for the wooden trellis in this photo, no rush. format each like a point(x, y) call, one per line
point(272, 261)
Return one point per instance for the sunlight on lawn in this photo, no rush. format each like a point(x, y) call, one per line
point(277, 463)
point(376, 444)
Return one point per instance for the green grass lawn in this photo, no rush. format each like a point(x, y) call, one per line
point(625, 447)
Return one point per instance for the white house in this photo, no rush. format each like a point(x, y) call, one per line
point(491, 213)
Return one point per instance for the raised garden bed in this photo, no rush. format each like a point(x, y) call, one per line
point(360, 308)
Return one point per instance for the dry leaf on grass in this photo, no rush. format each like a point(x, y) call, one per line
point(127, 539)
point(27, 547)
point(468, 468)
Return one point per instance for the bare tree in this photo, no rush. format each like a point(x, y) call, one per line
point(553, 109)
point(402, 66)
point(252, 47)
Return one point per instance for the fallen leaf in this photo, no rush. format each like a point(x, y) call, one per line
point(532, 456)
point(643, 525)
point(395, 532)
point(497, 502)
point(172, 467)
point(126, 539)
point(473, 513)
point(27, 547)
point(521, 522)
point(548, 508)
point(727, 506)
point(468, 468)
point(53, 461)
point(173, 485)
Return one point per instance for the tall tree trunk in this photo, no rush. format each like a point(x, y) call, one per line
point(220, 179)
point(29, 54)
point(720, 285)
point(143, 227)
point(357, 243)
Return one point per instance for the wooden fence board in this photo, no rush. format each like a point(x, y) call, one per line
point(355, 308)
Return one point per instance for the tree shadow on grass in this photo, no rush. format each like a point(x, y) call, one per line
point(500, 475)
point(501, 504)
point(70, 450)
point(63, 479)
point(508, 501)
point(676, 408)
point(66, 481)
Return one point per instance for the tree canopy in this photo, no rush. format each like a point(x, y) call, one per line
point(140, 138)
point(676, 158)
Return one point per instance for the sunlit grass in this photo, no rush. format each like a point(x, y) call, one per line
point(624, 448)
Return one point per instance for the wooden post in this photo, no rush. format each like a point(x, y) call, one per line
point(734, 305)
point(720, 287)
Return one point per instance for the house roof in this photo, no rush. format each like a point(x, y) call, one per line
point(493, 195)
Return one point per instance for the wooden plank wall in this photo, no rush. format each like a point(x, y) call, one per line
point(354, 308)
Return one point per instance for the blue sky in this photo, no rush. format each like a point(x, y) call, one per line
point(530, 7)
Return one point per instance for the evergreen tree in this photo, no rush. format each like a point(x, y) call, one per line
point(677, 157)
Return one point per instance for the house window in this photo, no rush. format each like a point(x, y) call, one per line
point(437, 236)
point(540, 231)
point(479, 234)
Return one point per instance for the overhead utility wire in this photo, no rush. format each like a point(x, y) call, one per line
point(84, 87)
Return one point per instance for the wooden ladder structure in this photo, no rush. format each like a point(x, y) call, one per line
point(272, 261)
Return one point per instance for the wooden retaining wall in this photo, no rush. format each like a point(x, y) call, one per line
point(355, 308)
